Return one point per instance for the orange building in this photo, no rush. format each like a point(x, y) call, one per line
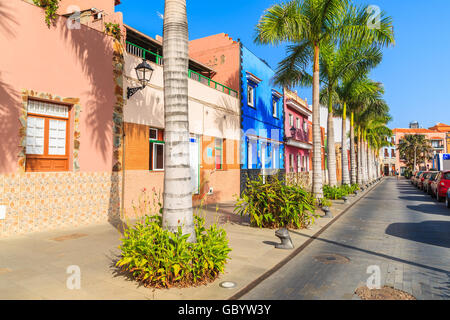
point(436, 138)
point(441, 127)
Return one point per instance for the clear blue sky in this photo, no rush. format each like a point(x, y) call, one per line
point(415, 72)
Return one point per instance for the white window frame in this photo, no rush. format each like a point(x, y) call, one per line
point(155, 157)
point(274, 107)
point(291, 120)
point(297, 120)
point(250, 154)
point(250, 95)
point(157, 133)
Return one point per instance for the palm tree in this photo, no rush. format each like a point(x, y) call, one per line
point(345, 64)
point(375, 112)
point(177, 211)
point(356, 92)
point(309, 24)
point(377, 134)
point(412, 147)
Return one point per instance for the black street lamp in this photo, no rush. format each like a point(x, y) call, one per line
point(144, 73)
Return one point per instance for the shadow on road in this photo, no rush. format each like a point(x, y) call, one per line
point(431, 208)
point(435, 233)
point(381, 255)
point(416, 198)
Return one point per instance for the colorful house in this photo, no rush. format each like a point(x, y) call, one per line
point(214, 125)
point(298, 148)
point(261, 103)
point(436, 138)
point(61, 111)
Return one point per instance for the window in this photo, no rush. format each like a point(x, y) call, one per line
point(274, 107)
point(153, 134)
point(250, 154)
point(298, 123)
point(305, 126)
point(156, 161)
point(47, 136)
point(291, 120)
point(291, 162)
point(250, 96)
point(218, 147)
point(299, 163)
point(392, 153)
point(274, 156)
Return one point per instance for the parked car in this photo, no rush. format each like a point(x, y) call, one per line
point(422, 178)
point(415, 178)
point(428, 180)
point(441, 185)
point(447, 199)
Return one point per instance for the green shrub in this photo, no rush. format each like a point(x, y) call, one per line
point(325, 203)
point(275, 204)
point(335, 193)
point(162, 259)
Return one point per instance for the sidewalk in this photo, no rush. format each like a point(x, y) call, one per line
point(34, 266)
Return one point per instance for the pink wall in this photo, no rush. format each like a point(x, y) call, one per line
point(303, 119)
point(61, 62)
point(220, 53)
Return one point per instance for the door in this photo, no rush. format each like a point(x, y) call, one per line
point(194, 151)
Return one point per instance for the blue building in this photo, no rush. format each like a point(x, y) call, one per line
point(262, 119)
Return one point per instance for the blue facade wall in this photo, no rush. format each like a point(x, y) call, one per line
point(260, 127)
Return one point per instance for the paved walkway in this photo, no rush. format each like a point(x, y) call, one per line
point(396, 227)
point(35, 266)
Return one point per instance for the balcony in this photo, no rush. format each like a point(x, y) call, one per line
point(299, 138)
point(155, 58)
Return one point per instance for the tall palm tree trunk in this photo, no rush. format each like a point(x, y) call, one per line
point(331, 145)
point(177, 210)
point(354, 173)
point(360, 169)
point(364, 158)
point(317, 143)
point(345, 172)
point(369, 163)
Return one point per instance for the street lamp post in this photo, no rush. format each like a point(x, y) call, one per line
point(144, 73)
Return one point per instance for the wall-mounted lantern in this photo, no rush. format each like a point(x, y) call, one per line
point(293, 132)
point(144, 73)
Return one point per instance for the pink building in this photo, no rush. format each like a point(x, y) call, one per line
point(61, 110)
point(298, 146)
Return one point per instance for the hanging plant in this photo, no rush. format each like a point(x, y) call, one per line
point(50, 6)
point(113, 29)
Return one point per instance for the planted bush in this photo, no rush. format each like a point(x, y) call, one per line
point(335, 193)
point(275, 205)
point(162, 259)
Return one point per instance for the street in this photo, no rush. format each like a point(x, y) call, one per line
point(395, 227)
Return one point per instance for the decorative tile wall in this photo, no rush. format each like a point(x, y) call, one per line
point(45, 201)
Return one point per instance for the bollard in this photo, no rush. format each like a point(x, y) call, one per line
point(286, 242)
point(327, 212)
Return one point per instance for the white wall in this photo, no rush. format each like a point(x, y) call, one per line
point(211, 112)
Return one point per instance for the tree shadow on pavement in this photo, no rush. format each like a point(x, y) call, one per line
point(435, 233)
point(431, 208)
point(417, 198)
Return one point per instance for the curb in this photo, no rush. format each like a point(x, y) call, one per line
point(279, 265)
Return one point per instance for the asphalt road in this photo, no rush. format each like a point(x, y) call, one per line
point(395, 228)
